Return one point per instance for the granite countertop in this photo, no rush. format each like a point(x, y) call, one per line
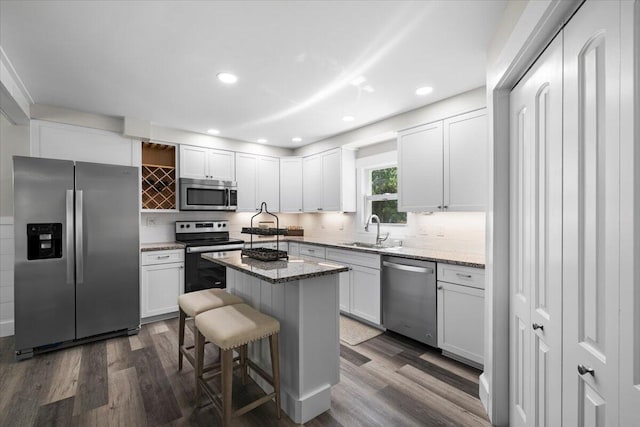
point(424, 254)
point(275, 271)
point(450, 257)
point(163, 246)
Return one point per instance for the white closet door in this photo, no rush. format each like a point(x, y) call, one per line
point(536, 217)
point(630, 221)
point(591, 215)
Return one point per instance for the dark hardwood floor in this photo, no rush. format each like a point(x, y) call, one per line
point(134, 381)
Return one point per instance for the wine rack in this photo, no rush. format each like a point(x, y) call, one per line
point(158, 176)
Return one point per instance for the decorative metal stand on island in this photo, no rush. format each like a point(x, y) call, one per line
point(265, 254)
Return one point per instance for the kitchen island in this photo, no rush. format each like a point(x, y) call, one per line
point(303, 296)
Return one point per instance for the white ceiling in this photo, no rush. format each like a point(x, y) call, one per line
point(158, 60)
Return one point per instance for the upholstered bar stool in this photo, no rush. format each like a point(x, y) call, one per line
point(232, 328)
point(193, 303)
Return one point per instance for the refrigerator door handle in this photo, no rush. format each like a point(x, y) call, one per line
point(69, 236)
point(79, 240)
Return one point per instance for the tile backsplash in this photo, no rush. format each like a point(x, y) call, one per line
point(450, 231)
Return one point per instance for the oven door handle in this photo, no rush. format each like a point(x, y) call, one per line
point(220, 248)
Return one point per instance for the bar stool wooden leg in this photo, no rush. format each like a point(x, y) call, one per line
point(243, 363)
point(199, 352)
point(275, 369)
point(227, 386)
point(183, 318)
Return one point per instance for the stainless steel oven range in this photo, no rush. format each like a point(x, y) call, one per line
point(200, 237)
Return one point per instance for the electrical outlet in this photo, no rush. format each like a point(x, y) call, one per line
point(151, 221)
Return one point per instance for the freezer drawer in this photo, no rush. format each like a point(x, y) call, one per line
point(409, 298)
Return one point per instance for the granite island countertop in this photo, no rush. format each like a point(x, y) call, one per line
point(275, 271)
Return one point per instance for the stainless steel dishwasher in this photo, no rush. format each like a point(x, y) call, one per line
point(409, 298)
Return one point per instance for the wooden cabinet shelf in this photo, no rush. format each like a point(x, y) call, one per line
point(158, 176)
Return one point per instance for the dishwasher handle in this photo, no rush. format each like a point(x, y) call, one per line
point(410, 268)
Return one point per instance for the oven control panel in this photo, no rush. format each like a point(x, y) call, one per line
point(201, 226)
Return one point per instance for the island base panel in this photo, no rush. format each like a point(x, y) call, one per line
point(309, 338)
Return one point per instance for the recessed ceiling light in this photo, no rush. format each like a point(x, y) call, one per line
point(213, 131)
point(296, 139)
point(426, 90)
point(358, 80)
point(348, 118)
point(368, 88)
point(262, 140)
point(227, 78)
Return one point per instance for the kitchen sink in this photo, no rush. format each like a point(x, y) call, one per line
point(369, 245)
point(363, 245)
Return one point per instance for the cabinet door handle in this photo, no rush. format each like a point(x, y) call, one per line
point(319, 209)
point(439, 206)
point(446, 206)
point(585, 370)
point(465, 276)
point(537, 326)
point(440, 287)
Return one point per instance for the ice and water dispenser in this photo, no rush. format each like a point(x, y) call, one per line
point(44, 241)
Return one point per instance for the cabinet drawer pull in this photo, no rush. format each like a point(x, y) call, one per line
point(585, 370)
point(464, 276)
point(163, 256)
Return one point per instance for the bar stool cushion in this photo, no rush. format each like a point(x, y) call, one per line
point(235, 325)
point(194, 303)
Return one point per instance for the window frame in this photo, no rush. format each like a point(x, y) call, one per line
point(368, 197)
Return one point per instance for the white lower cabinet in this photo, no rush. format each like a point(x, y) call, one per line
point(360, 286)
point(364, 299)
point(161, 283)
point(461, 312)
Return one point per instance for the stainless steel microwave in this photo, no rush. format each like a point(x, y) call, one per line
point(208, 195)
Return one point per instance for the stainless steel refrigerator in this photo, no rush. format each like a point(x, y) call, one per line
point(76, 252)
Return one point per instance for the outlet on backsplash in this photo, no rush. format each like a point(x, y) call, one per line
point(151, 221)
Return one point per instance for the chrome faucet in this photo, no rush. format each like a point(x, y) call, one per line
point(379, 239)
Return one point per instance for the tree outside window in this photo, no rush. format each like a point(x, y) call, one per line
point(383, 197)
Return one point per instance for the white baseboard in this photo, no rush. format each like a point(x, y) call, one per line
point(7, 328)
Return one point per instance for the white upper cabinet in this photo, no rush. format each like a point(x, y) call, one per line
point(221, 165)
point(206, 163)
point(258, 181)
point(465, 164)
point(268, 183)
point(291, 184)
point(329, 181)
point(420, 153)
point(68, 142)
point(442, 165)
point(312, 183)
point(331, 176)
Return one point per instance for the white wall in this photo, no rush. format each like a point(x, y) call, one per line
point(14, 140)
point(386, 129)
point(56, 114)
